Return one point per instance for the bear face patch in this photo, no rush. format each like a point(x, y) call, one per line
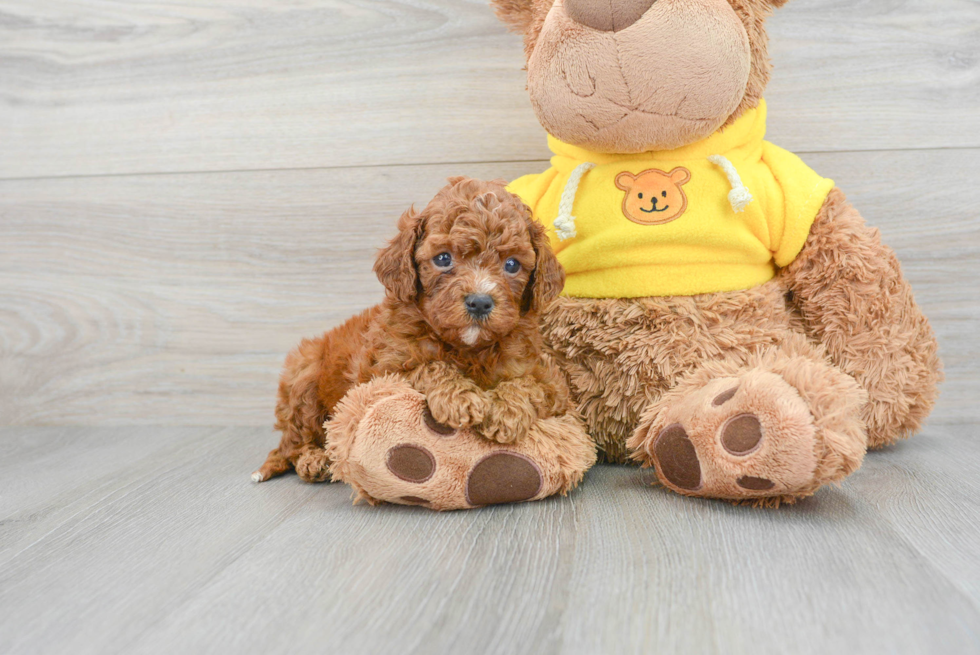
point(654, 197)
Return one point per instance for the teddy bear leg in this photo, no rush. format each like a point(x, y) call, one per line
point(773, 429)
point(850, 291)
point(383, 441)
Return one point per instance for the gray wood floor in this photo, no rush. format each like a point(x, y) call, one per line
point(120, 540)
point(188, 188)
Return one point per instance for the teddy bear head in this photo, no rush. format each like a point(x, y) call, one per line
point(628, 76)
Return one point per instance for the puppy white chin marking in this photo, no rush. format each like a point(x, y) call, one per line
point(470, 335)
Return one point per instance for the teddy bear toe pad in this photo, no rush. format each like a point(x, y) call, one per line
point(742, 435)
point(411, 463)
point(677, 458)
point(503, 477)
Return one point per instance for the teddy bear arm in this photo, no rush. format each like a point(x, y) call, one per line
point(849, 289)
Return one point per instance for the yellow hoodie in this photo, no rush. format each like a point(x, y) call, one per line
point(718, 215)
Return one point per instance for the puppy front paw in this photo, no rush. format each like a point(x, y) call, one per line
point(508, 420)
point(458, 408)
point(313, 465)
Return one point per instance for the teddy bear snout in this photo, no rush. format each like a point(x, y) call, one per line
point(608, 15)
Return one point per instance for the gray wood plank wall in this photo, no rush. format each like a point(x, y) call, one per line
point(188, 189)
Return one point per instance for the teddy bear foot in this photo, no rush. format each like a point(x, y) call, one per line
point(384, 442)
point(752, 438)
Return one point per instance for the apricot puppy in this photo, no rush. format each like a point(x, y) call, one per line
point(465, 280)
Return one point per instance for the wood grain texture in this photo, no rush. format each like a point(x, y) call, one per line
point(174, 550)
point(172, 299)
point(108, 86)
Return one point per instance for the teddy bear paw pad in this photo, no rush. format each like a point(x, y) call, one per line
point(755, 484)
point(677, 457)
point(387, 445)
point(439, 428)
point(742, 435)
point(503, 477)
point(411, 463)
point(412, 500)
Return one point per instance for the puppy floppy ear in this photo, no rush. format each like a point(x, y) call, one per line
point(395, 265)
point(515, 13)
point(548, 277)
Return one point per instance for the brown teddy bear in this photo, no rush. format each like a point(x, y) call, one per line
point(727, 317)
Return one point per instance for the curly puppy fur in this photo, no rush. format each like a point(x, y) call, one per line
point(486, 371)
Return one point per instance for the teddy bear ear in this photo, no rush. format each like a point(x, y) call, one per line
point(624, 181)
point(515, 13)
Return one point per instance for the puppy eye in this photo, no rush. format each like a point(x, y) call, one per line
point(443, 260)
point(664, 194)
point(512, 266)
point(640, 196)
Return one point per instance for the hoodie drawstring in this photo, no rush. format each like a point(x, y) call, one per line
point(565, 223)
point(740, 196)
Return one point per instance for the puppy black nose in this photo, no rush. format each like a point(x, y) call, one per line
point(478, 305)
